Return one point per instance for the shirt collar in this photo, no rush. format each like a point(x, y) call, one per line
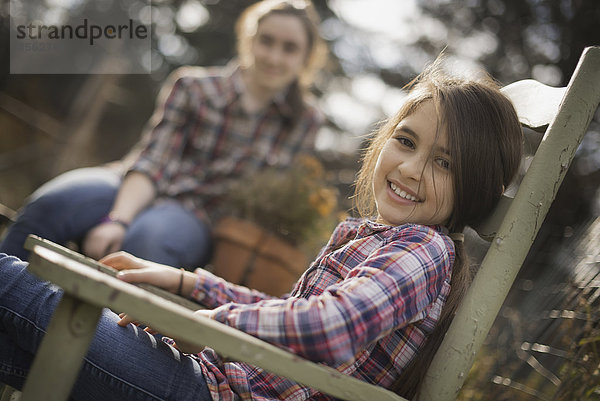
point(369, 227)
point(237, 86)
point(236, 82)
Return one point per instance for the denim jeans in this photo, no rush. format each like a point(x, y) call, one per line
point(67, 207)
point(123, 363)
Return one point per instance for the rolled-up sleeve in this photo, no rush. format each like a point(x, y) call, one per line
point(213, 291)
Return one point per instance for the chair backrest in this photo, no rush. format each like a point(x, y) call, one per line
point(536, 105)
point(568, 111)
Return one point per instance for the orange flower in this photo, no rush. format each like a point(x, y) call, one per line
point(324, 200)
point(311, 165)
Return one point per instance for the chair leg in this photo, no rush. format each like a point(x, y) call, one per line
point(9, 394)
point(62, 350)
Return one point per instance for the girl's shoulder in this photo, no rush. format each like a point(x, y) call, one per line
point(217, 84)
point(204, 78)
point(195, 73)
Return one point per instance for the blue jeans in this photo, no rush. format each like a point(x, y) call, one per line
point(123, 363)
point(67, 207)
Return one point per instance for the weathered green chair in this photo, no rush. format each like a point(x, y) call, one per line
point(513, 227)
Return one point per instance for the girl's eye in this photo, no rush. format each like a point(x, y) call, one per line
point(265, 40)
point(443, 163)
point(404, 141)
point(291, 48)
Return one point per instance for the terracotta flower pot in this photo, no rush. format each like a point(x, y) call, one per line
point(248, 255)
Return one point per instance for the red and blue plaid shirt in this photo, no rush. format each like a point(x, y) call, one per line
point(365, 306)
point(203, 138)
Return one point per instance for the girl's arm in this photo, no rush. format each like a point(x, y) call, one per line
point(136, 192)
point(395, 286)
point(205, 288)
point(213, 291)
point(159, 152)
point(157, 159)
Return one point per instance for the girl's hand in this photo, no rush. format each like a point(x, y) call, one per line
point(126, 319)
point(136, 270)
point(103, 239)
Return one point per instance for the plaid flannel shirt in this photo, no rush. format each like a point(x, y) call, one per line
point(202, 138)
point(365, 306)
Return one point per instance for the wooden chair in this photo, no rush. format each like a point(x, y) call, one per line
point(568, 112)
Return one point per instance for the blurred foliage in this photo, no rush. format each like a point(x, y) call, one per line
point(296, 203)
point(581, 374)
point(538, 38)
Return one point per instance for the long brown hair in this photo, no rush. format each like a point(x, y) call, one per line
point(485, 141)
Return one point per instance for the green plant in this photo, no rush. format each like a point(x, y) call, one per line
point(296, 204)
point(581, 372)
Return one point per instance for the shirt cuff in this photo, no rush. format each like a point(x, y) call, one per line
point(199, 291)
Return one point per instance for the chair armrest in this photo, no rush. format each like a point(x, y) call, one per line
point(33, 241)
point(81, 278)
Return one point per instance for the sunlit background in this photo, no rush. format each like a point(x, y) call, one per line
point(376, 47)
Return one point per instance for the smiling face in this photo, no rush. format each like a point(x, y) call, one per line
point(279, 51)
point(412, 182)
